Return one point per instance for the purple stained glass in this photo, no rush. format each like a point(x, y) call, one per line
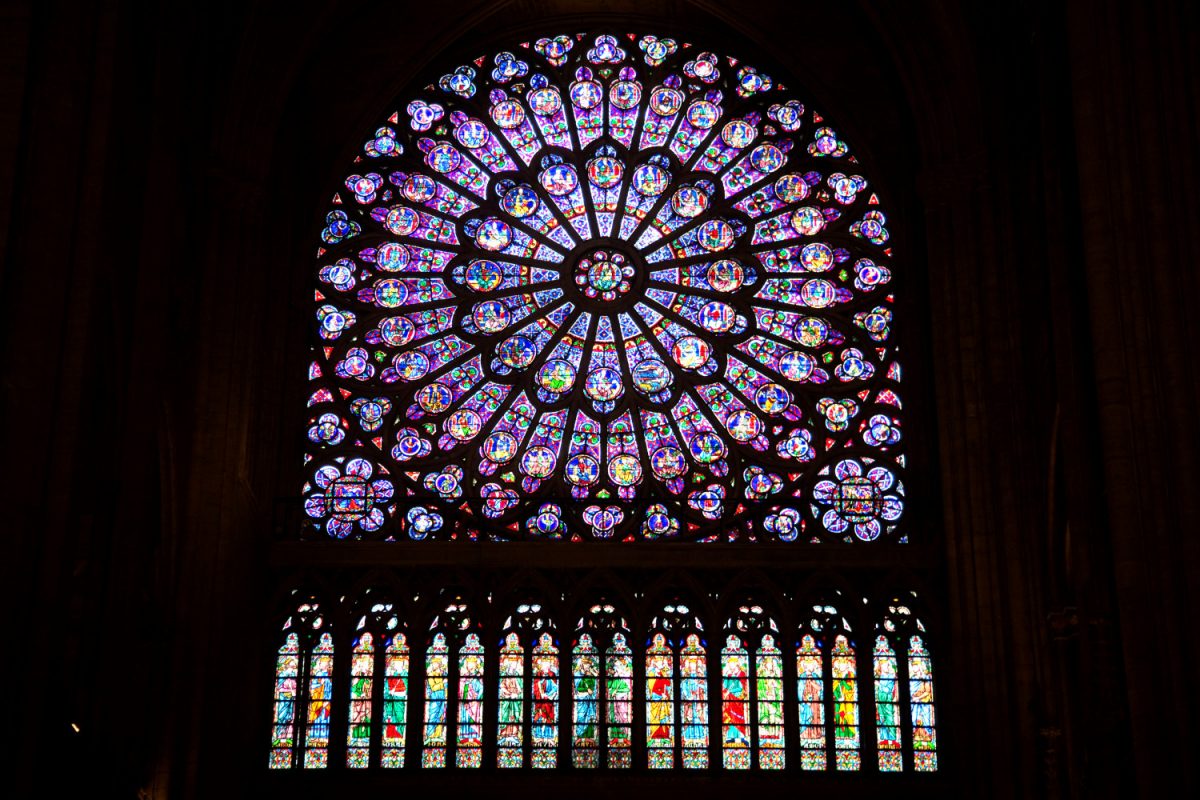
point(604, 268)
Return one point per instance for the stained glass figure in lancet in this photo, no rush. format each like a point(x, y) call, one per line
point(618, 702)
point(454, 675)
point(827, 691)
point(527, 722)
point(544, 736)
point(676, 679)
point(752, 724)
point(585, 725)
point(660, 703)
point(320, 703)
point(303, 691)
point(920, 682)
point(887, 707)
point(768, 669)
point(362, 683)
point(469, 751)
point(847, 740)
point(735, 704)
point(379, 656)
point(283, 735)
point(810, 692)
point(395, 701)
point(602, 672)
point(904, 678)
point(612, 288)
point(510, 719)
point(437, 671)
point(693, 696)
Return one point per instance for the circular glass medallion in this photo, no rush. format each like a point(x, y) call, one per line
point(651, 376)
point(556, 376)
point(517, 352)
point(691, 352)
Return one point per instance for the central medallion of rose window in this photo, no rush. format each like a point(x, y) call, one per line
point(603, 274)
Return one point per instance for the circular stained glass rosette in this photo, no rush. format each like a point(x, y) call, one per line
point(594, 274)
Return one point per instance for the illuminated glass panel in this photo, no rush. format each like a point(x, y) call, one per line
point(320, 703)
point(362, 674)
point(810, 689)
point(671, 240)
point(660, 703)
point(887, 707)
point(693, 689)
point(735, 704)
point(618, 702)
point(437, 678)
point(512, 688)
point(470, 703)
point(585, 737)
point(395, 702)
point(283, 732)
point(920, 689)
point(545, 702)
point(845, 705)
point(769, 701)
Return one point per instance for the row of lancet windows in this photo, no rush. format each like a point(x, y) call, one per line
point(755, 697)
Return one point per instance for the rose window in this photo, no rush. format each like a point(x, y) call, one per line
point(605, 288)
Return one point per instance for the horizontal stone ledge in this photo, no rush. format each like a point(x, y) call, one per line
point(616, 554)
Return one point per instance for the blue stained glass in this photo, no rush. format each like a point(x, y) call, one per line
point(604, 268)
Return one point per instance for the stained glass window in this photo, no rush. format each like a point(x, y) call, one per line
point(735, 704)
point(605, 287)
point(528, 691)
point(602, 690)
point(827, 689)
point(676, 714)
point(585, 726)
point(616, 288)
point(287, 670)
point(454, 686)
point(920, 682)
point(887, 707)
point(512, 706)
point(470, 703)
point(395, 701)
point(437, 676)
point(846, 742)
point(752, 723)
point(545, 702)
point(768, 667)
point(303, 696)
point(618, 702)
point(810, 692)
point(379, 649)
point(320, 703)
point(660, 703)
point(904, 679)
point(362, 673)
point(693, 696)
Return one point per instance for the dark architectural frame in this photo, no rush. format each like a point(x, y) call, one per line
point(152, 155)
